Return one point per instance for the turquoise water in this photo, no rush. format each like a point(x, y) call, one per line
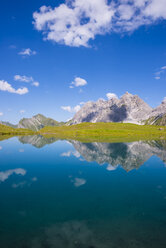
point(67, 194)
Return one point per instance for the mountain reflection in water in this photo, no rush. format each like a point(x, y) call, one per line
point(128, 155)
point(55, 194)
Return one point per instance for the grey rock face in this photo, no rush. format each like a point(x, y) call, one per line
point(129, 108)
point(158, 115)
point(160, 110)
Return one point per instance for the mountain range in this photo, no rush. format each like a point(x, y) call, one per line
point(127, 109)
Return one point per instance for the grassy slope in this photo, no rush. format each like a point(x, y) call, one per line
point(7, 131)
point(105, 132)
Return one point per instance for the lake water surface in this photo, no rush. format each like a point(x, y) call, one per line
point(68, 194)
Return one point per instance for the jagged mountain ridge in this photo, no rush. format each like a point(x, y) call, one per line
point(128, 109)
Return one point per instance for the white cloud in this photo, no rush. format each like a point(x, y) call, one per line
point(4, 175)
point(22, 111)
point(111, 95)
point(5, 86)
point(76, 22)
point(23, 78)
point(1, 113)
point(163, 68)
point(66, 108)
point(157, 77)
point(125, 11)
point(26, 80)
point(35, 83)
point(27, 52)
point(78, 82)
point(0, 147)
point(70, 109)
point(76, 108)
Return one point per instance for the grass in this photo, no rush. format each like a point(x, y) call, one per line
point(106, 132)
point(9, 131)
point(93, 132)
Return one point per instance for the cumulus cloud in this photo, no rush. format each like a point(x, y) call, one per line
point(70, 109)
point(5, 86)
point(78, 82)
point(75, 22)
point(4, 175)
point(26, 80)
point(27, 52)
point(111, 95)
point(1, 113)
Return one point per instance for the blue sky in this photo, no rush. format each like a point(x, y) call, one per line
point(105, 47)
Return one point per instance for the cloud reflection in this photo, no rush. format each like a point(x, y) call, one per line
point(4, 175)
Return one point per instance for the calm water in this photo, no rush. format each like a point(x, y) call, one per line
point(60, 194)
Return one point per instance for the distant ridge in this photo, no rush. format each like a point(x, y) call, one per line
point(35, 123)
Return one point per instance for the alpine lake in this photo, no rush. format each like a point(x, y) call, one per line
point(68, 194)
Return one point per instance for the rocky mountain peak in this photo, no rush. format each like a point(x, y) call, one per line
point(129, 108)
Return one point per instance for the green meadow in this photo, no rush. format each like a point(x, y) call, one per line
point(91, 132)
point(6, 130)
point(105, 132)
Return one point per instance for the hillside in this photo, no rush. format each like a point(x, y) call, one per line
point(6, 130)
point(37, 122)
